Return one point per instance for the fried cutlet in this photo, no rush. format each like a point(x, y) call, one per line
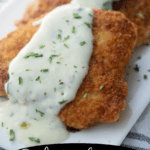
point(102, 95)
point(138, 11)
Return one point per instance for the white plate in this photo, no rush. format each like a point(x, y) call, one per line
point(137, 100)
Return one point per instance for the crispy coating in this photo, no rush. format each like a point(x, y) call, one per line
point(10, 47)
point(106, 91)
point(38, 8)
point(114, 40)
point(138, 11)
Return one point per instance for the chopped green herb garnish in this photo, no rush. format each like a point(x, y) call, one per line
point(90, 15)
point(12, 135)
point(66, 38)
point(54, 42)
point(66, 45)
point(28, 70)
point(42, 46)
point(62, 102)
point(87, 24)
point(145, 76)
point(17, 90)
point(61, 83)
point(73, 29)
point(44, 70)
point(38, 79)
point(75, 66)
point(8, 76)
point(20, 81)
point(107, 5)
point(85, 95)
point(67, 20)
point(141, 15)
point(51, 57)
point(82, 43)
point(75, 71)
point(58, 62)
point(36, 119)
point(59, 37)
point(55, 89)
point(32, 54)
point(101, 86)
point(60, 30)
point(12, 73)
point(76, 16)
point(2, 124)
point(34, 139)
point(41, 113)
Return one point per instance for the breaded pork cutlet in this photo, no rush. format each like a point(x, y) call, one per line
point(137, 11)
point(102, 95)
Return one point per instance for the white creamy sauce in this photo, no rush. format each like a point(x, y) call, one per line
point(47, 73)
point(93, 3)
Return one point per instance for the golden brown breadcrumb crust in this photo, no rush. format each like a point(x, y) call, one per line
point(104, 85)
point(38, 8)
point(138, 11)
point(10, 47)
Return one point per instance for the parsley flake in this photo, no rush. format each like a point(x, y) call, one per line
point(90, 15)
point(61, 83)
point(66, 38)
point(28, 70)
point(42, 46)
point(34, 139)
point(66, 45)
point(32, 54)
point(20, 81)
point(38, 79)
point(107, 5)
point(12, 135)
point(82, 43)
point(44, 70)
point(76, 16)
point(55, 89)
point(8, 76)
point(62, 102)
point(141, 15)
point(51, 57)
point(73, 29)
point(85, 95)
point(101, 86)
point(41, 113)
point(59, 37)
point(87, 24)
